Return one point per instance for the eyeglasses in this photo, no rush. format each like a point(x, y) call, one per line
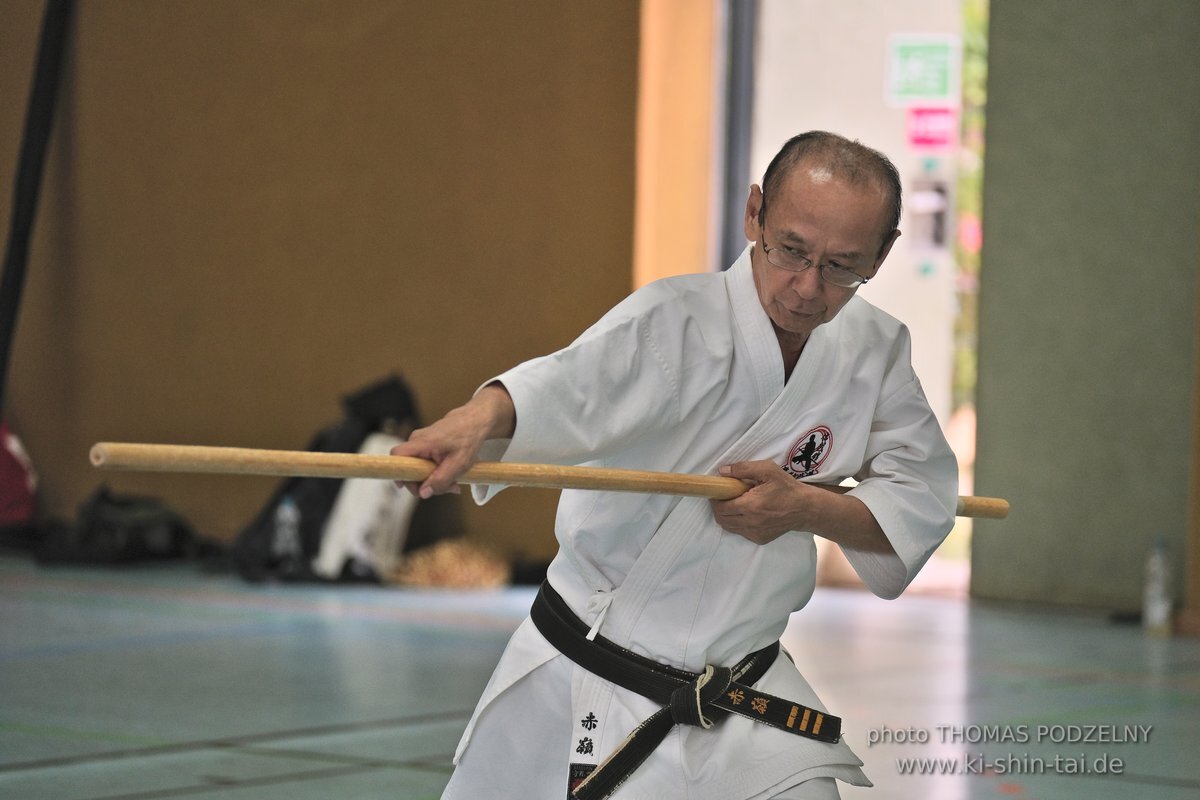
point(792, 261)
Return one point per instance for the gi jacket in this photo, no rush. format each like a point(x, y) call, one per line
point(683, 376)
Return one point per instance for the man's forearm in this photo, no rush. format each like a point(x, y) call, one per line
point(495, 408)
point(846, 521)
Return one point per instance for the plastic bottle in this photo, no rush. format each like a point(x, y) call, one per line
point(1156, 593)
point(285, 545)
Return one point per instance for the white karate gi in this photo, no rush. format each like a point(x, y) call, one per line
point(683, 376)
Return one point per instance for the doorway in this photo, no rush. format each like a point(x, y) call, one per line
point(907, 79)
point(724, 84)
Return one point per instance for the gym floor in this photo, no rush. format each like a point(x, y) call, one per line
point(169, 681)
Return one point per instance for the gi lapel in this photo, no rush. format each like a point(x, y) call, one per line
point(769, 437)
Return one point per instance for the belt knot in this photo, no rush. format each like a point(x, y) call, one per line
point(689, 700)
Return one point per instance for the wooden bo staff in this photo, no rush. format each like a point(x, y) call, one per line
point(297, 463)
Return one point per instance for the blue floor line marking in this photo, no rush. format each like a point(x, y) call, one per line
point(236, 742)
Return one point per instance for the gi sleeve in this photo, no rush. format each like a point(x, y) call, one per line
point(588, 401)
point(909, 481)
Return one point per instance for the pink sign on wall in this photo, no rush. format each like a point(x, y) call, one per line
point(932, 128)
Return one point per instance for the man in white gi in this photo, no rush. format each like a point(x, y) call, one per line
point(773, 372)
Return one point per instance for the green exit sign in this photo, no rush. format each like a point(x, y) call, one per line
point(923, 69)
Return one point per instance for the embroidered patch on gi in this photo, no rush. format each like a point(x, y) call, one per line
point(809, 452)
point(578, 773)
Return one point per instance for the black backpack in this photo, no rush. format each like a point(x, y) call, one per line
point(117, 529)
point(382, 406)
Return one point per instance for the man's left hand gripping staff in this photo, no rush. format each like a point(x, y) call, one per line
point(777, 503)
point(453, 442)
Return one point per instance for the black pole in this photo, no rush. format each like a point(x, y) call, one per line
point(739, 108)
point(39, 120)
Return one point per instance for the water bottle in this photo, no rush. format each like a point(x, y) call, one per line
point(286, 547)
point(1156, 593)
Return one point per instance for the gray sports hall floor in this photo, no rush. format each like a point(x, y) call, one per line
point(165, 682)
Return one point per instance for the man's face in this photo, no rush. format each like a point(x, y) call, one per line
point(826, 220)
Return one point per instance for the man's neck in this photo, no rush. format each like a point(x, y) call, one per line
point(791, 345)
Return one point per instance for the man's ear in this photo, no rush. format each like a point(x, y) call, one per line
point(753, 207)
point(887, 248)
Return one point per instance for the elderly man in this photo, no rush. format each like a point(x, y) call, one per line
point(650, 665)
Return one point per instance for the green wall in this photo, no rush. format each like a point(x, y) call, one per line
point(1088, 295)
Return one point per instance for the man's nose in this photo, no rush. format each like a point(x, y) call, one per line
point(807, 284)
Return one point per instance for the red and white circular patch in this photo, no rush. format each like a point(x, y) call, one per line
point(809, 452)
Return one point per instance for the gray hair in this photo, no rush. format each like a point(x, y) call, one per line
point(846, 159)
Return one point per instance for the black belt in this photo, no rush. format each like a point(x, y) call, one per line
point(688, 698)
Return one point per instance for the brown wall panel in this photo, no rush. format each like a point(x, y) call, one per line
point(253, 208)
